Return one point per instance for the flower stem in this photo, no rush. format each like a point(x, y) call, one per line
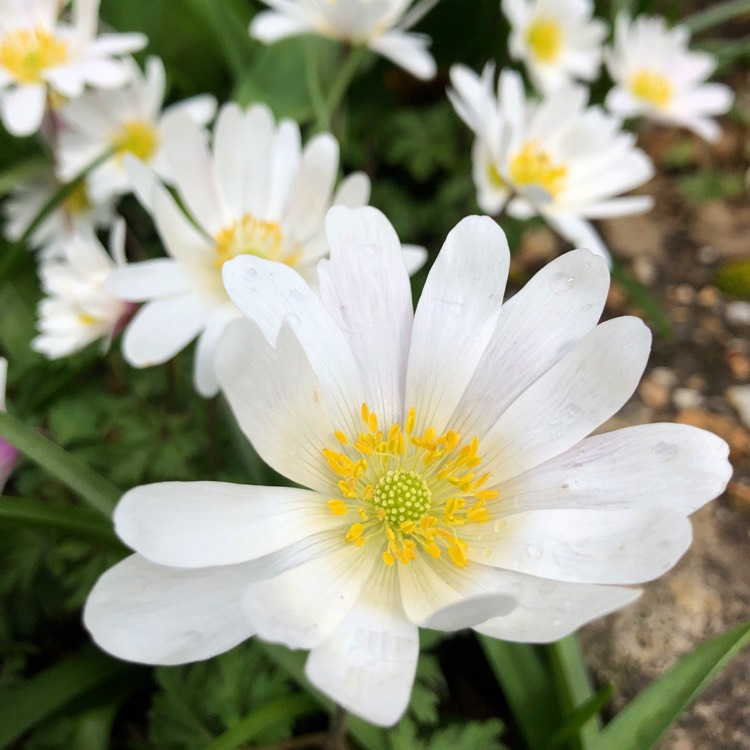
point(337, 731)
point(343, 81)
point(317, 97)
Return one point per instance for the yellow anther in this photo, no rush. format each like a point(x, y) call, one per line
point(457, 553)
point(432, 549)
point(534, 166)
point(341, 437)
point(365, 411)
point(411, 419)
point(359, 542)
point(486, 494)
point(355, 532)
point(27, 53)
point(388, 559)
point(408, 527)
point(337, 507)
point(369, 491)
point(652, 86)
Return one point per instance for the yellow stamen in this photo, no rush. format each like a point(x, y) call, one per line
point(251, 236)
point(138, 138)
point(534, 166)
point(27, 53)
point(545, 39)
point(651, 86)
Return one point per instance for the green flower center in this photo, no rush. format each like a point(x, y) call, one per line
point(403, 495)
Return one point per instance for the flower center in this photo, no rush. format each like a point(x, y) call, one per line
point(651, 86)
point(251, 236)
point(534, 166)
point(77, 201)
point(27, 53)
point(495, 178)
point(408, 491)
point(138, 138)
point(545, 39)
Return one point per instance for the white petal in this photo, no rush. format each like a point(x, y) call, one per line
point(204, 524)
point(579, 233)
point(285, 163)
point(436, 594)
point(353, 192)
point(655, 465)
point(415, 256)
point(455, 318)
point(23, 109)
point(549, 610)
point(536, 328)
point(301, 607)
point(150, 279)
point(570, 400)
point(204, 375)
point(164, 327)
point(365, 286)
point(270, 293)
point(277, 402)
point(269, 27)
point(408, 51)
point(231, 172)
point(151, 614)
point(368, 664)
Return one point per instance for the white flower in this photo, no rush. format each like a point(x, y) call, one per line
point(380, 24)
point(78, 309)
point(77, 214)
point(38, 51)
point(8, 453)
point(465, 493)
point(257, 191)
point(558, 40)
point(556, 158)
point(129, 120)
point(657, 76)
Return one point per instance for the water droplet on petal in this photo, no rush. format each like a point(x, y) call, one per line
point(488, 553)
point(250, 273)
point(534, 552)
point(562, 281)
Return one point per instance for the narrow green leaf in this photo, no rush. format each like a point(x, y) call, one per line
point(715, 14)
point(21, 171)
point(526, 684)
point(574, 688)
point(266, 716)
point(645, 719)
point(293, 663)
point(584, 713)
point(76, 522)
point(26, 704)
point(97, 491)
point(646, 301)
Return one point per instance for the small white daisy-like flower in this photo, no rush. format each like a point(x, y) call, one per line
point(656, 75)
point(557, 158)
point(39, 52)
point(8, 452)
point(558, 40)
point(381, 25)
point(77, 214)
point(256, 191)
point(78, 309)
point(451, 480)
point(130, 121)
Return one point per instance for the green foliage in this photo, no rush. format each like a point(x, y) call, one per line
point(712, 184)
point(471, 734)
point(734, 279)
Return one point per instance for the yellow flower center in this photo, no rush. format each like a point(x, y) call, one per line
point(495, 178)
point(138, 138)
point(545, 39)
point(77, 201)
point(651, 86)
point(87, 319)
point(534, 166)
point(251, 236)
point(409, 492)
point(27, 53)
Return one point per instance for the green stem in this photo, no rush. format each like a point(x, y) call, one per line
point(98, 492)
point(317, 97)
point(282, 709)
point(573, 686)
point(70, 521)
point(343, 80)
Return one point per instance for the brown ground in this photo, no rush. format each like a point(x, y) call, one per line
point(675, 252)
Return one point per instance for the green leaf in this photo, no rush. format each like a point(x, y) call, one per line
point(715, 14)
point(21, 171)
point(282, 709)
point(97, 491)
point(24, 705)
point(585, 712)
point(574, 689)
point(645, 719)
point(526, 685)
point(76, 522)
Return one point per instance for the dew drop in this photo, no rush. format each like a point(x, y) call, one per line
point(562, 281)
point(534, 552)
point(488, 554)
point(457, 309)
point(250, 273)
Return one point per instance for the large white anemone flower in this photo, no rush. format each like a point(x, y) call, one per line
point(558, 40)
point(77, 214)
point(78, 308)
point(451, 482)
point(556, 158)
point(382, 25)
point(129, 120)
point(39, 52)
point(8, 453)
point(256, 191)
point(656, 75)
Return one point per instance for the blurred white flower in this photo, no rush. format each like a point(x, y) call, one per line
point(77, 214)
point(131, 121)
point(558, 40)
point(381, 25)
point(8, 453)
point(463, 493)
point(78, 309)
point(556, 158)
point(657, 76)
point(38, 51)
point(256, 191)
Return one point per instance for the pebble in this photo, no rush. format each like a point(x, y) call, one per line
point(738, 313)
point(708, 296)
point(686, 398)
point(739, 397)
point(684, 294)
point(657, 386)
